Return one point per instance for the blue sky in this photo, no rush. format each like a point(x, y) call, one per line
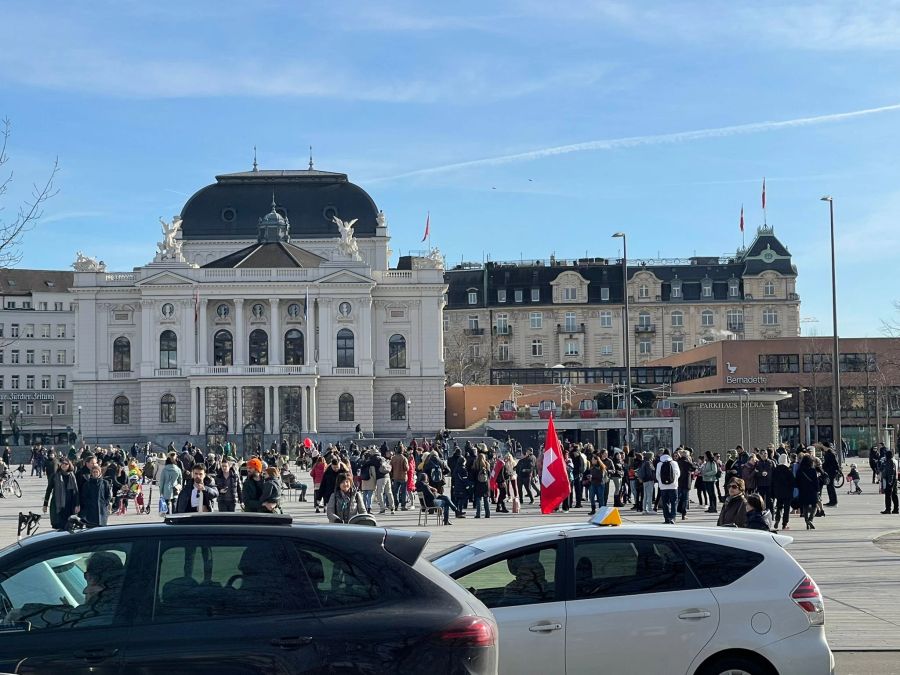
point(144, 103)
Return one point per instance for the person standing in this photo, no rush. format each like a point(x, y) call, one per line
point(482, 473)
point(889, 482)
point(685, 475)
point(198, 498)
point(646, 478)
point(734, 510)
point(783, 491)
point(228, 483)
point(709, 474)
point(61, 496)
point(94, 498)
point(252, 490)
point(764, 470)
point(808, 489)
point(830, 467)
point(667, 475)
point(399, 467)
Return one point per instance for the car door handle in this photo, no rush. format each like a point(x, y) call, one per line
point(291, 642)
point(695, 614)
point(545, 627)
point(95, 653)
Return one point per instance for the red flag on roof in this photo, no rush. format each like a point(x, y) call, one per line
point(555, 485)
point(742, 217)
point(764, 194)
point(427, 226)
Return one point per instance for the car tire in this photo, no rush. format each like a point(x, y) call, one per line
point(735, 665)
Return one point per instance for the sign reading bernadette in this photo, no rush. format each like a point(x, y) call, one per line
point(745, 380)
point(724, 405)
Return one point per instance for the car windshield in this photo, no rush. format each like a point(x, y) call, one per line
point(456, 557)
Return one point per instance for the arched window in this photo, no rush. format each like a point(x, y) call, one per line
point(121, 355)
point(120, 410)
point(707, 318)
point(345, 356)
point(397, 352)
point(345, 408)
point(259, 348)
point(398, 407)
point(223, 348)
point(168, 349)
point(293, 348)
point(167, 409)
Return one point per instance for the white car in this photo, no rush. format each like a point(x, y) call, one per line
point(581, 598)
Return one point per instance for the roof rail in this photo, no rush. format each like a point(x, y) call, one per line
point(236, 518)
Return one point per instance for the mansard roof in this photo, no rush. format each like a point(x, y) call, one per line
point(272, 255)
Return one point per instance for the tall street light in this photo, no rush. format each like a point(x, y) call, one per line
point(79, 424)
point(835, 358)
point(408, 414)
point(626, 339)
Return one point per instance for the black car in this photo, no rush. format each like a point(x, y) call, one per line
point(236, 593)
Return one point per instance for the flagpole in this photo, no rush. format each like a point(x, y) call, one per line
point(765, 221)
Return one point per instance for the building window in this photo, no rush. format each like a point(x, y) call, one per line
point(398, 407)
point(779, 363)
point(644, 347)
point(770, 317)
point(503, 352)
point(606, 319)
point(518, 295)
point(535, 294)
point(60, 381)
point(446, 322)
point(293, 348)
point(537, 347)
point(121, 355)
point(706, 288)
point(45, 408)
point(223, 310)
point(45, 330)
point(537, 320)
point(61, 330)
point(57, 307)
point(223, 348)
point(258, 348)
point(168, 349)
point(570, 293)
point(735, 319)
point(29, 356)
point(29, 330)
point(29, 406)
point(606, 349)
point(643, 291)
point(60, 407)
point(473, 322)
point(677, 319)
point(14, 356)
point(733, 288)
point(707, 318)
point(345, 349)
point(45, 357)
point(120, 410)
point(473, 297)
point(42, 306)
point(475, 351)
point(571, 347)
point(644, 319)
point(14, 330)
point(676, 289)
point(501, 295)
point(45, 381)
point(604, 293)
point(769, 289)
point(346, 411)
point(61, 356)
point(397, 352)
point(570, 322)
point(677, 345)
point(502, 324)
point(29, 381)
point(14, 382)
point(167, 409)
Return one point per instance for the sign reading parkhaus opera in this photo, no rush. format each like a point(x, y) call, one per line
point(268, 312)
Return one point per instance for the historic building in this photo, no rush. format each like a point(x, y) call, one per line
point(269, 311)
point(537, 314)
point(37, 353)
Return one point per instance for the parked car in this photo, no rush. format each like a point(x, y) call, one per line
point(237, 593)
point(579, 598)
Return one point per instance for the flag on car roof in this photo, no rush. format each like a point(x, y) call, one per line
point(555, 485)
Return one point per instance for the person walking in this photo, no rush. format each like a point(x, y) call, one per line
point(807, 489)
point(685, 476)
point(888, 469)
point(228, 483)
point(667, 475)
point(764, 471)
point(61, 496)
point(709, 473)
point(831, 468)
point(399, 467)
point(482, 472)
point(783, 491)
point(647, 479)
point(95, 498)
point(169, 481)
point(599, 480)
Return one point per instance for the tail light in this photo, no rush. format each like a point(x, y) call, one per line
point(471, 631)
point(809, 599)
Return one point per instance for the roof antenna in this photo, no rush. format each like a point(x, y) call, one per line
point(273, 200)
point(255, 167)
point(310, 159)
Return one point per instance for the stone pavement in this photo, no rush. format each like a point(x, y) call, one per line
point(854, 554)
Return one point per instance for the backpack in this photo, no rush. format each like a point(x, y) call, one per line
point(666, 475)
point(435, 475)
point(482, 476)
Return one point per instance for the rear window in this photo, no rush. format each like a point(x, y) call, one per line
point(717, 565)
point(456, 558)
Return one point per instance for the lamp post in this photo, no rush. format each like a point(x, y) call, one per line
point(745, 392)
point(835, 347)
point(626, 337)
point(79, 423)
point(51, 429)
point(408, 414)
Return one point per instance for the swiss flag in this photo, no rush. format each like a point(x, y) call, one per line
point(555, 485)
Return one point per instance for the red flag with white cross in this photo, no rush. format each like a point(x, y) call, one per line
point(555, 485)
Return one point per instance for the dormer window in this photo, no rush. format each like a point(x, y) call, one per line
point(733, 287)
point(706, 288)
point(643, 291)
point(676, 288)
point(473, 297)
point(769, 289)
point(501, 295)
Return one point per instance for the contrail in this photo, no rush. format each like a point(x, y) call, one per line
point(636, 141)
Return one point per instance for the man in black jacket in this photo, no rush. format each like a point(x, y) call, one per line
point(830, 468)
point(686, 471)
point(228, 483)
point(765, 472)
point(199, 496)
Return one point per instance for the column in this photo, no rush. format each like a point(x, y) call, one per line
point(276, 350)
point(326, 336)
point(187, 350)
point(313, 421)
point(195, 424)
point(202, 334)
point(365, 339)
point(304, 410)
point(276, 410)
point(229, 397)
point(240, 345)
point(201, 411)
point(309, 339)
point(267, 401)
point(147, 336)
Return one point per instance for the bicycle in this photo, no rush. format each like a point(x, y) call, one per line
point(10, 485)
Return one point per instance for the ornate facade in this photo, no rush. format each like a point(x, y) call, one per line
point(269, 311)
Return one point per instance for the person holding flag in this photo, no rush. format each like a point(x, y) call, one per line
point(555, 485)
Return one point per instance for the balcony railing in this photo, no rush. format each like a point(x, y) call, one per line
point(121, 375)
point(503, 330)
point(398, 371)
point(569, 328)
point(736, 326)
point(167, 372)
point(344, 371)
point(645, 328)
point(254, 370)
point(474, 331)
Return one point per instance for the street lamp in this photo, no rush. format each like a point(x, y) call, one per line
point(79, 423)
point(51, 429)
point(835, 358)
point(742, 393)
point(625, 338)
point(408, 414)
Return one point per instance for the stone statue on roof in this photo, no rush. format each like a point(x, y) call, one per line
point(348, 245)
point(169, 249)
point(85, 263)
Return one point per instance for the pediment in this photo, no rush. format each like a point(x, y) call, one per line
point(346, 277)
point(166, 279)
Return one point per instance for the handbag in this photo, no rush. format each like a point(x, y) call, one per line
point(515, 505)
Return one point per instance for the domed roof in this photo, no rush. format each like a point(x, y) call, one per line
point(309, 199)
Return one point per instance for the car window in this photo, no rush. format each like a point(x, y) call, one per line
point(337, 580)
point(81, 587)
point(717, 565)
point(611, 566)
point(203, 578)
point(521, 578)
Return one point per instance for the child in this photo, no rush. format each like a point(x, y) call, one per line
point(758, 516)
point(853, 477)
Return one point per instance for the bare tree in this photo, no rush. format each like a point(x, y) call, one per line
point(27, 213)
point(891, 327)
point(460, 364)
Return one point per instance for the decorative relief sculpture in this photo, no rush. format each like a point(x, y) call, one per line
point(85, 263)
